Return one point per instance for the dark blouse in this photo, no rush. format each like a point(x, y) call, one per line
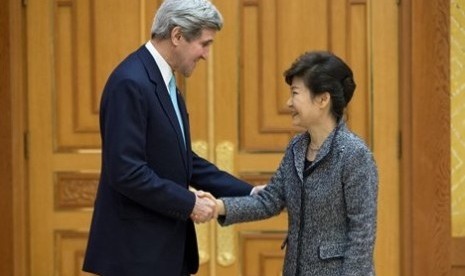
point(307, 165)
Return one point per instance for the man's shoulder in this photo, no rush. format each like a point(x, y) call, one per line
point(135, 65)
point(133, 59)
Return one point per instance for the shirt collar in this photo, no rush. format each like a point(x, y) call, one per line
point(165, 69)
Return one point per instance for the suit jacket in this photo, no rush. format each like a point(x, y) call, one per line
point(332, 211)
point(141, 224)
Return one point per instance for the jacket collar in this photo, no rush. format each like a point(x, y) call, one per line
point(301, 144)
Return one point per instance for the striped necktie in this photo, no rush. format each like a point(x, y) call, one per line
point(174, 100)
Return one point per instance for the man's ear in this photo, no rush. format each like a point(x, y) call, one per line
point(176, 35)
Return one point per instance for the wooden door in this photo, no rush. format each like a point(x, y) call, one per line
point(72, 47)
point(236, 105)
point(239, 117)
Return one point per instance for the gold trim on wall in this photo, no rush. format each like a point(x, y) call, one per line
point(203, 241)
point(226, 245)
point(458, 117)
point(203, 230)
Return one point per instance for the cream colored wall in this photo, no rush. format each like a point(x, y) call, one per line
point(458, 116)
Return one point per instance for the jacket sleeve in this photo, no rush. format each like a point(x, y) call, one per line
point(360, 180)
point(267, 203)
point(207, 177)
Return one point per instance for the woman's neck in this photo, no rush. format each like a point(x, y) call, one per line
point(319, 133)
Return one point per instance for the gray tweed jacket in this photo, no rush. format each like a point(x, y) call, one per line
point(332, 211)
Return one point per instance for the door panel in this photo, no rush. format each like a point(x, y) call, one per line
point(236, 102)
point(261, 253)
point(273, 34)
point(265, 37)
point(72, 47)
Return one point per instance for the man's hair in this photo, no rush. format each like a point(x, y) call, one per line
point(192, 16)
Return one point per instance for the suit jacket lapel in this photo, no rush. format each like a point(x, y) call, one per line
point(164, 98)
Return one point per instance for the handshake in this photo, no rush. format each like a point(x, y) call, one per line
point(206, 207)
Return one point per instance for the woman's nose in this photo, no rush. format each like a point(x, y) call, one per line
point(289, 102)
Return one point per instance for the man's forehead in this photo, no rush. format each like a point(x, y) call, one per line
point(207, 34)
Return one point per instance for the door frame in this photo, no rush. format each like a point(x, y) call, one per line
point(425, 134)
point(13, 180)
point(424, 61)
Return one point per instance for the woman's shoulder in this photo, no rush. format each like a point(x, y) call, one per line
point(299, 138)
point(298, 143)
point(350, 141)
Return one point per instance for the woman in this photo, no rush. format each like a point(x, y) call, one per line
point(327, 178)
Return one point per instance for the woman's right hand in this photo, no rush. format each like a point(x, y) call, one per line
point(220, 207)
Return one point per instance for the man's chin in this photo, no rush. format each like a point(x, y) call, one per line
point(187, 74)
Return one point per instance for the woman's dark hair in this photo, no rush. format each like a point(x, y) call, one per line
point(324, 72)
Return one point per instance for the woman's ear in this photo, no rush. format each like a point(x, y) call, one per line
point(324, 99)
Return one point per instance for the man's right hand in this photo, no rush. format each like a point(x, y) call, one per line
point(204, 208)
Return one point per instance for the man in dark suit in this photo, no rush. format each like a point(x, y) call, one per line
point(144, 212)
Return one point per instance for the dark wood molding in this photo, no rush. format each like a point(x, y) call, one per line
point(13, 195)
point(6, 144)
point(425, 126)
point(458, 256)
point(458, 252)
point(406, 138)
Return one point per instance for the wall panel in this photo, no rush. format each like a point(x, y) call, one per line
point(274, 34)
